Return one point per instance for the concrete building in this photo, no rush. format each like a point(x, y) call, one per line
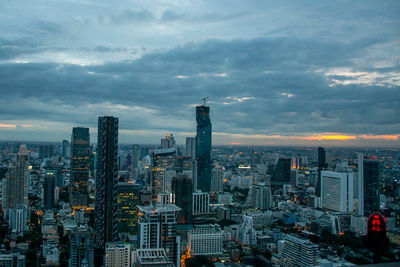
point(118, 254)
point(337, 191)
point(205, 240)
point(201, 203)
point(298, 251)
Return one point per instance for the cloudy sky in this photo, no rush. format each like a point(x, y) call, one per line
point(275, 72)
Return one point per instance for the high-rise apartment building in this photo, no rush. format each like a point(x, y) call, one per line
point(201, 203)
point(260, 196)
point(157, 229)
point(65, 149)
point(80, 163)
point(135, 156)
point(191, 147)
point(106, 182)
point(205, 240)
point(182, 197)
point(298, 251)
point(217, 180)
point(368, 186)
point(82, 247)
point(337, 191)
point(16, 186)
point(203, 148)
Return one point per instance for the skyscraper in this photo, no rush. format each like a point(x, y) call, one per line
point(321, 167)
point(162, 159)
point(368, 186)
point(15, 194)
point(106, 182)
point(191, 147)
point(182, 197)
point(168, 141)
point(282, 173)
point(49, 187)
point(80, 163)
point(127, 199)
point(65, 148)
point(203, 148)
point(337, 191)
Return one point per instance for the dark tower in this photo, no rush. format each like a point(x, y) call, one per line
point(371, 187)
point(203, 148)
point(321, 166)
point(182, 197)
point(49, 187)
point(281, 173)
point(80, 161)
point(106, 183)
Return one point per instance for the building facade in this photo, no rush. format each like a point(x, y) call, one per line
point(337, 191)
point(106, 182)
point(203, 148)
point(80, 163)
point(368, 186)
point(298, 251)
point(201, 203)
point(182, 197)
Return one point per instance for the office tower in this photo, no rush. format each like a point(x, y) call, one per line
point(182, 197)
point(49, 188)
point(282, 173)
point(203, 148)
point(260, 197)
point(321, 166)
point(46, 151)
point(168, 141)
point(106, 182)
point(294, 177)
point(17, 219)
point(65, 149)
point(15, 194)
point(127, 199)
point(164, 198)
point(201, 203)
point(368, 186)
point(157, 229)
point(162, 159)
point(337, 191)
point(151, 258)
point(118, 254)
point(80, 163)
point(135, 156)
point(217, 180)
point(298, 251)
point(205, 240)
point(82, 247)
point(191, 147)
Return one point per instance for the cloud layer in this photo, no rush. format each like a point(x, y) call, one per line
point(319, 69)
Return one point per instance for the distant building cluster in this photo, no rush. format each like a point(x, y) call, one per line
point(76, 203)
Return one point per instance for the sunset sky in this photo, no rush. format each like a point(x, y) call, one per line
point(276, 72)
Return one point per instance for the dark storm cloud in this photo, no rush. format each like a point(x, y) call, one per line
point(12, 48)
point(264, 85)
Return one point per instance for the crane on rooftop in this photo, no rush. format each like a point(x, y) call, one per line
point(204, 100)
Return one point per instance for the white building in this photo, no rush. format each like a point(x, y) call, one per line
point(298, 251)
point(337, 191)
point(18, 219)
point(201, 203)
point(151, 258)
point(118, 254)
point(205, 240)
point(247, 234)
point(157, 229)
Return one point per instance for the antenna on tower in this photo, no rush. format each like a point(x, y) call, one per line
point(204, 100)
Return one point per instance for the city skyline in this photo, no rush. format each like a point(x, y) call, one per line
point(294, 73)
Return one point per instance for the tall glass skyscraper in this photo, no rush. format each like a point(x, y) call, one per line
point(106, 182)
point(80, 161)
point(368, 186)
point(203, 148)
